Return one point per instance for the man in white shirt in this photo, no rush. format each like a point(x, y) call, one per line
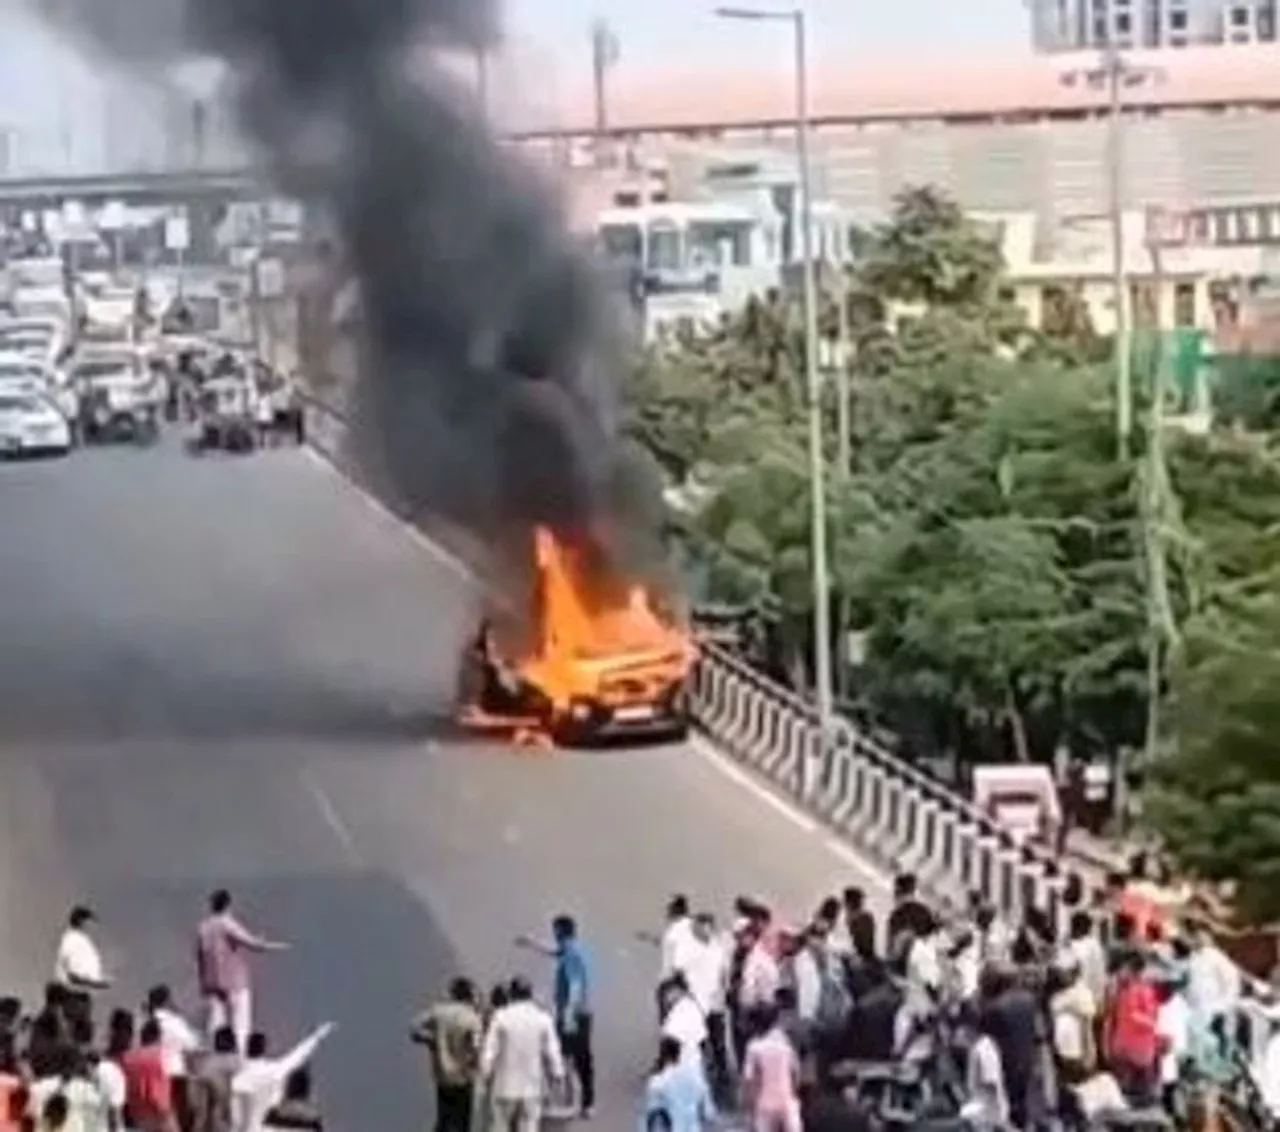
point(677, 936)
point(685, 1022)
point(1173, 1025)
point(924, 966)
point(258, 1085)
point(987, 1108)
point(1213, 981)
point(923, 984)
point(109, 1078)
point(677, 939)
point(520, 1057)
point(78, 965)
point(705, 966)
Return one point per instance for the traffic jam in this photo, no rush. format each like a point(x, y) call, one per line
point(120, 356)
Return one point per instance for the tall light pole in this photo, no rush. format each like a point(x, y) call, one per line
point(813, 384)
point(1116, 74)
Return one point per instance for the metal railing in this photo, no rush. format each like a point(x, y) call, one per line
point(899, 818)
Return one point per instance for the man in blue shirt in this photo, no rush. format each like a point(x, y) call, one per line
point(573, 1006)
point(573, 1010)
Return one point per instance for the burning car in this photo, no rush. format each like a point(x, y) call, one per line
point(590, 668)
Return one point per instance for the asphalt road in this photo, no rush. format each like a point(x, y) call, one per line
point(233, 672)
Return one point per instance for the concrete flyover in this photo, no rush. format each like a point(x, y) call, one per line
point(225, 671)
point(138, 186)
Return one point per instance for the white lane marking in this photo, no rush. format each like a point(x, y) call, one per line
point(329, 814)
point(438, 552)
point(744, 781)
point(788, 810)
point(792, 813)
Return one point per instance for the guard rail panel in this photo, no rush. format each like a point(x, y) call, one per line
point(899, 818)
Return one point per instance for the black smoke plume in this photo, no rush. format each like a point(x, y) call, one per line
point(485, 386)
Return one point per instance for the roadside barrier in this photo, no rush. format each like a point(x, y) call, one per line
point(898, 817)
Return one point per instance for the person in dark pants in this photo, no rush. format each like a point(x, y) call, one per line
point(573, 1007)
point(452, 1032)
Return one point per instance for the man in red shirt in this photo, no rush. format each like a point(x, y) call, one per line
point(148, 1092)
point(1132, 1042)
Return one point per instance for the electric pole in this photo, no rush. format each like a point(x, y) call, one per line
point(604, 54)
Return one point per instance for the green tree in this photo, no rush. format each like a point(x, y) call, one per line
point(1215, 798)
point(984, 540)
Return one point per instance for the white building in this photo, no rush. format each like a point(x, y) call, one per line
point(1186, 289)
point(1067, 25)
point(689, 262)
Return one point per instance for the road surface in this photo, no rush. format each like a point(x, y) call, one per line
point(232, 672)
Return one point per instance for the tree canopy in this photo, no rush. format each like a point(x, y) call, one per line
point(987, 545)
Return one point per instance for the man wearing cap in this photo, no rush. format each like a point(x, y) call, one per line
point(78, 966)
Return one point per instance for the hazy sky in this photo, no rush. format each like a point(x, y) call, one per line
point(55, 113)
point(685, 31)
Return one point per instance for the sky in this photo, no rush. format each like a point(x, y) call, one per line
point(56, 117)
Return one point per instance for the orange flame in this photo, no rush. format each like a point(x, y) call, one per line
point(586, 634)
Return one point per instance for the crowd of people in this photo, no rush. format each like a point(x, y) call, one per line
point(72, 1064)
point(1118, 1017)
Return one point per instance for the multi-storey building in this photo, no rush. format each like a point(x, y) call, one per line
point(1013, 135)
point(1071, 25)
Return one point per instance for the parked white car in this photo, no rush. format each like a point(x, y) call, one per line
point(32, 426)
point(44, 337)
point(32, 377)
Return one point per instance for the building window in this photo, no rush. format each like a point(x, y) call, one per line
point(1178, 19)
point(666, 251)
point(1184, 304)
point(1240, 17)
point(1124, 23)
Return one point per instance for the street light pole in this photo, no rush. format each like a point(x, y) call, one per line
point(813, 381)
point(1115, 74)
point(1115, 70)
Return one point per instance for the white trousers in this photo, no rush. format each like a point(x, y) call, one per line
point(235, 1010)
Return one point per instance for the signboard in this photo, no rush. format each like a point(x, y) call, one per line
point(177, 234)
